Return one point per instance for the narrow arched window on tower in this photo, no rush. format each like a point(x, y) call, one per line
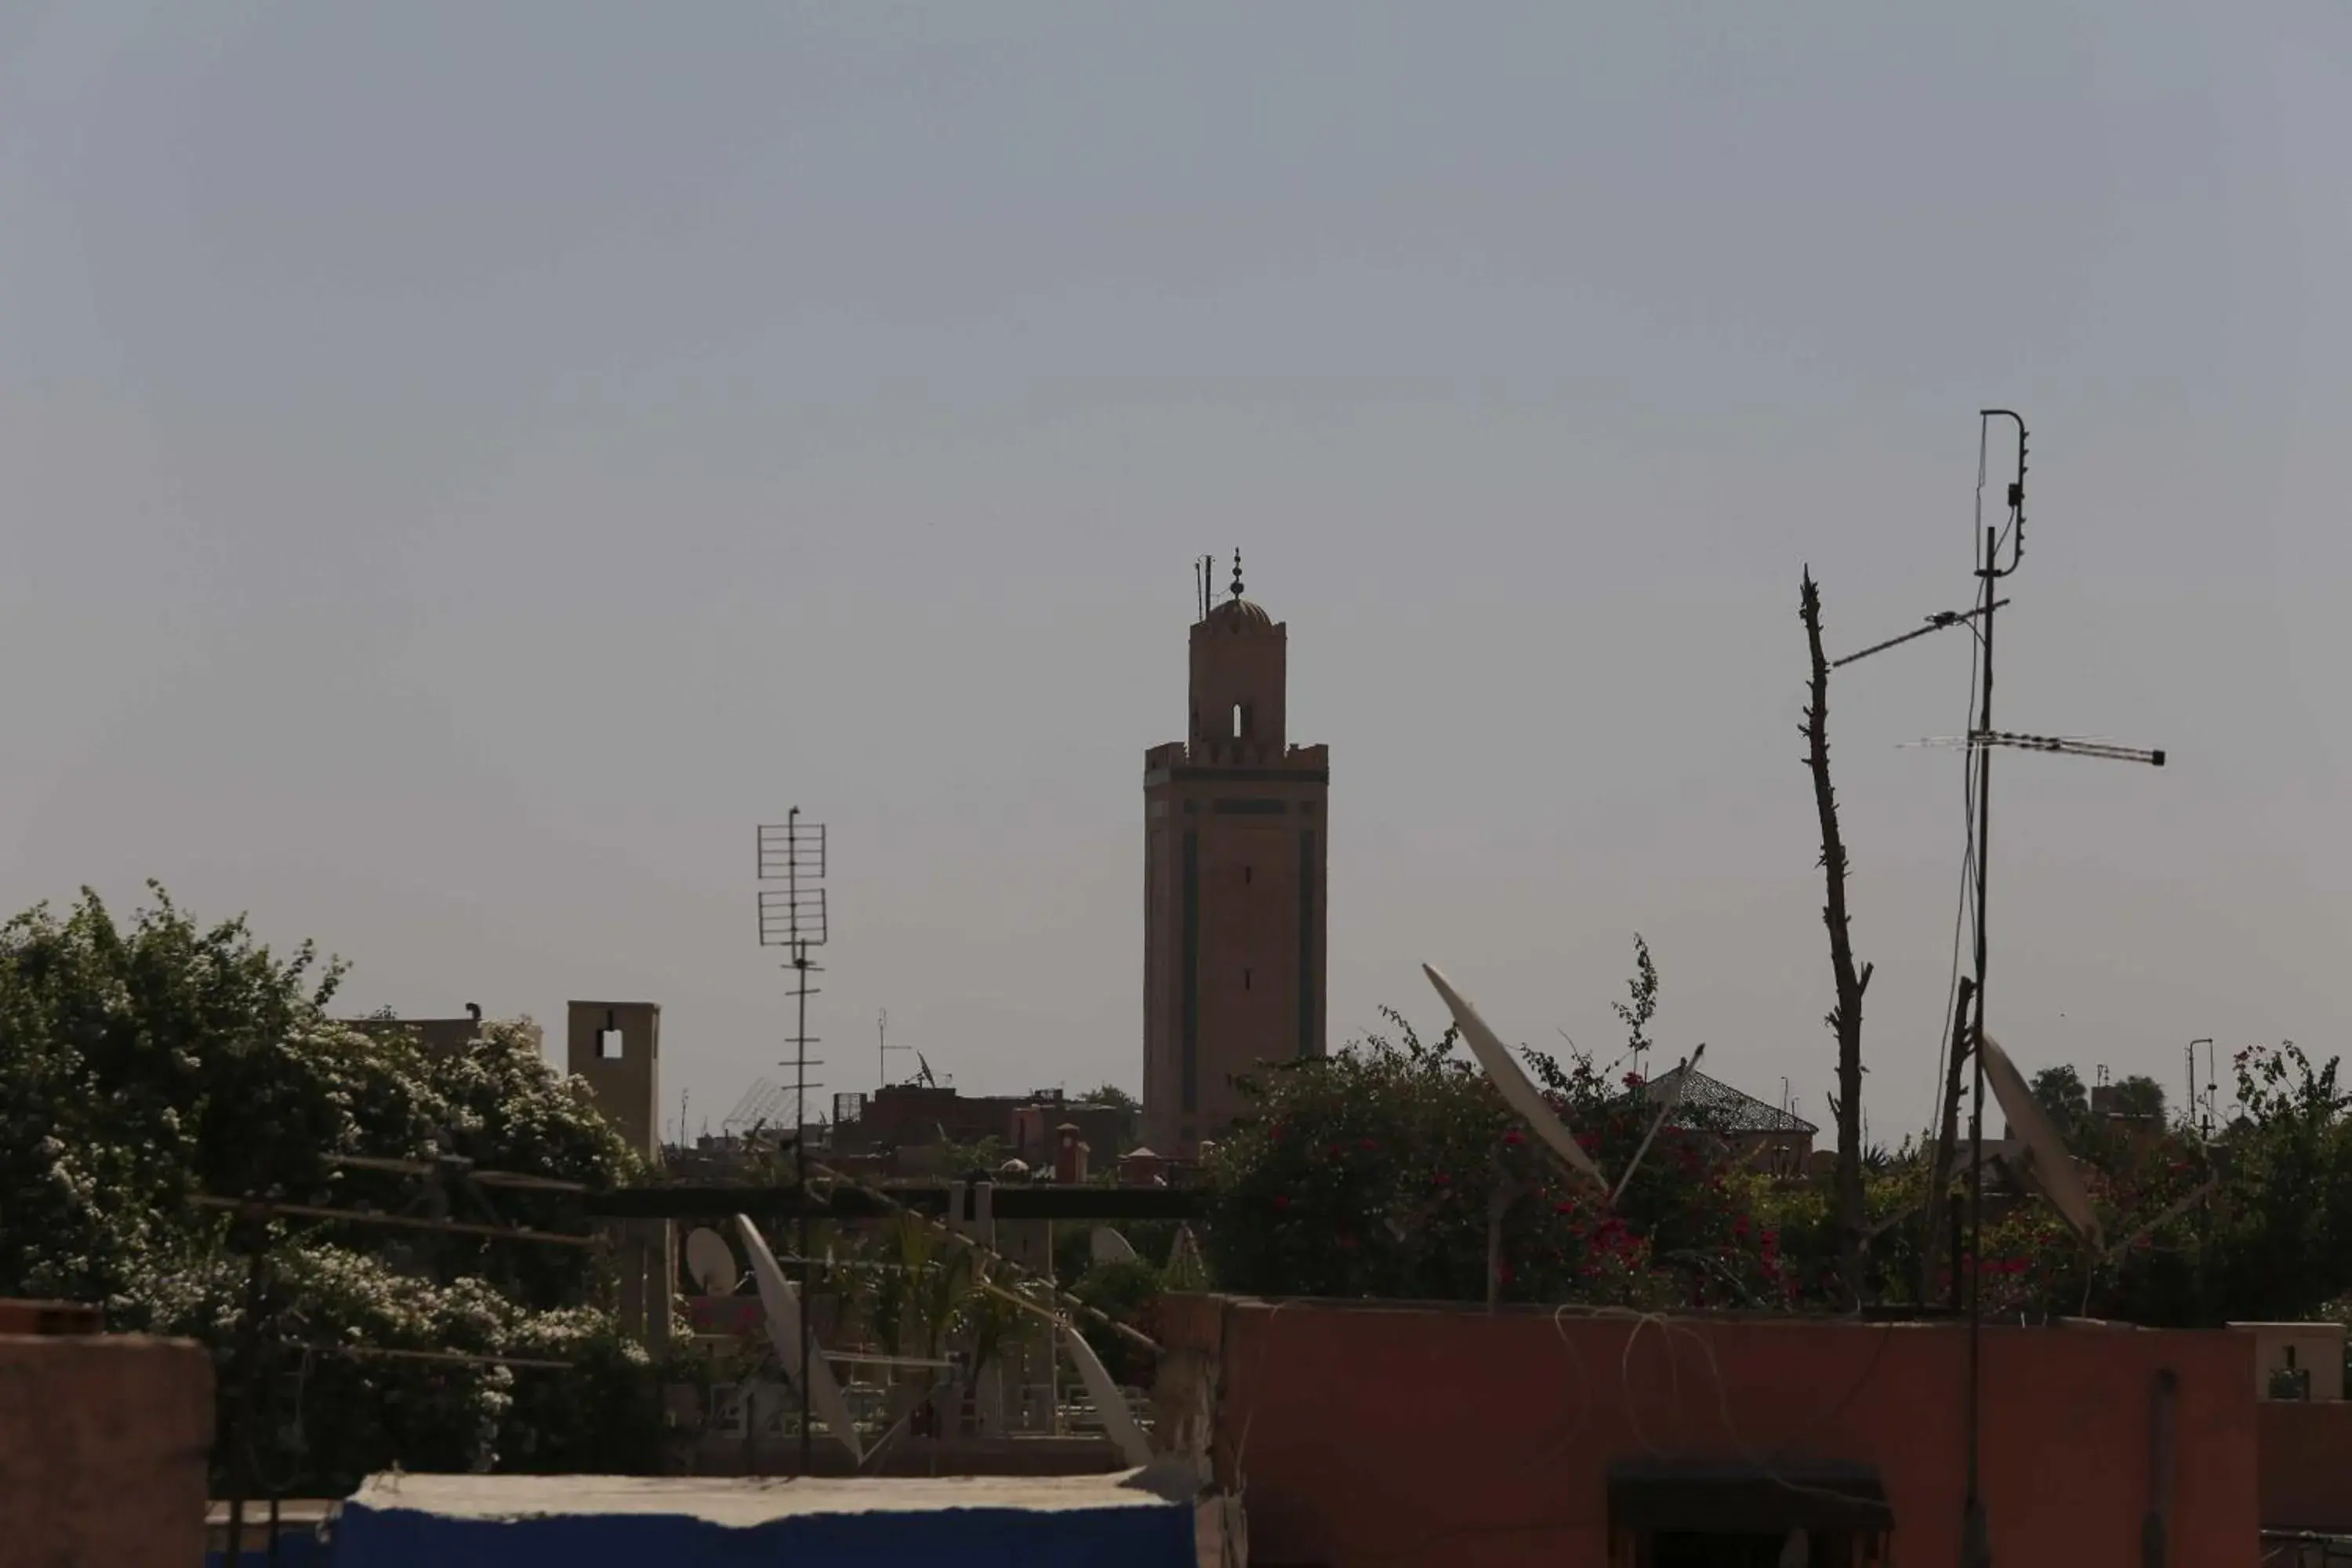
point(1237, 721)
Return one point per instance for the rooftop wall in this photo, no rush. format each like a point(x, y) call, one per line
point(103, 1445)
point(2306, 1464)
point(1393, 1435)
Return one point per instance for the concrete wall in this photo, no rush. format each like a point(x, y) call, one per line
point(103, 1445)
point(2306, 1464)
point(628, 1087)
point(1402, 1436)
point(2315, 1349)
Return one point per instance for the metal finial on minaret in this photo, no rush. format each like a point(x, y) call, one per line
point(1237, 574)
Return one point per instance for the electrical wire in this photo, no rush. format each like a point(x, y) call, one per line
point(1764, 1463)
point(1747, 1449)
point(1258, 1396)
point(1583, 1415)
point(1625, 1377)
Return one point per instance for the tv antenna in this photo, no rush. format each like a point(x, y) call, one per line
point(2001, 548)
point(2203, 1103)
point(793, 917)
point(882, 1050)
point(763, 1105)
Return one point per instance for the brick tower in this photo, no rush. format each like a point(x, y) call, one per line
point(1234, 848)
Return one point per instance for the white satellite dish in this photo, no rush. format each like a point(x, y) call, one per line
point(1519, 1090)
point(782, 1305)
point(711, 1262)
point(1111, 1405)
point(2049, 1165)
point(1106, 1245)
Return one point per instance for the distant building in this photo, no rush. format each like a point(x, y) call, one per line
point(1235, 843)
point(908, 1117)
point(1108, 1130)
point(443, 1035)
point(914, 1115)
point(1762, 1135)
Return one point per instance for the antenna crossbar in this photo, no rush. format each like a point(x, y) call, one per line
point(1936, 623)
point(2062, 745)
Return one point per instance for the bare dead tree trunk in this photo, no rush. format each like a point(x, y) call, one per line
point(1845, 1019)
point(1948, 1135)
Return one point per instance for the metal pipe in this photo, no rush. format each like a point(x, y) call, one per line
point(404, 1222)
point(1975, 1547)
point(1689, 1065)
point(248, 1350)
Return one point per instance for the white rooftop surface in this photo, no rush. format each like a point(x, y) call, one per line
point(747, 1501)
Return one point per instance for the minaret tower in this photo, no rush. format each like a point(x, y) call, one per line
point(1235, 843)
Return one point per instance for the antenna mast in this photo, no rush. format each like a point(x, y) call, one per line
point(882, 1050)
point(1993, 540)
point(793, 917)
point(2201, 1103)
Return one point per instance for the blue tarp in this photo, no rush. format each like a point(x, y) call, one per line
point(1157, 1538)
point(296, 1549)
point(1076, 1522)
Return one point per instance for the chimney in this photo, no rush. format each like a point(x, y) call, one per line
point(1069, 1154)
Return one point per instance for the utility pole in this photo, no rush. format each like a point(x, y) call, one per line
point(1975, 1542)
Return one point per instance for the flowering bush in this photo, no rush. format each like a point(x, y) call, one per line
point(141, 1067)
point(1376, 1171)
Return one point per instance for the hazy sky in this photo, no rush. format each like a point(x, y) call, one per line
point(462, 466)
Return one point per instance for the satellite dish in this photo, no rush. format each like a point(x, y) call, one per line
point(1109, 1247)
point(783, 1304)
point(2048, 1164)
point(1519, 1090)
point(711, 1262)
point(1110, 1404)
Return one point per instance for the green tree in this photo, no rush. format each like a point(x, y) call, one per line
point(1109, 1093)
point(2059, 1091)
point(1125, 1292)
point(143, 1065)
point(2139, 1098)
point(2254, 1225)
point(1641, 1005)
point(955, 1160)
